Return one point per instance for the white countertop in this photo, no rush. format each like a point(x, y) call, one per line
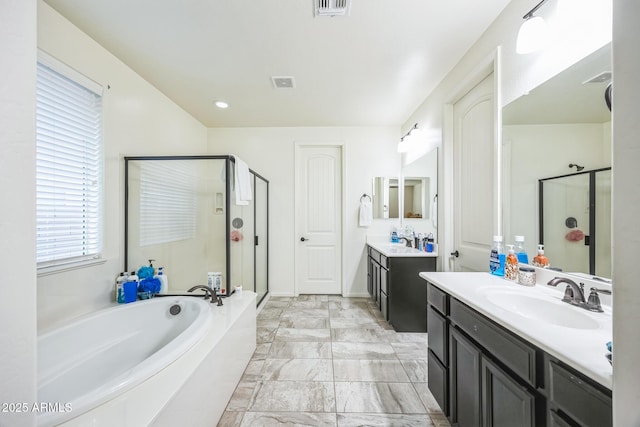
point(389, 249)
point(582, 349)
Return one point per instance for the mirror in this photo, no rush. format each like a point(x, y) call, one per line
point(385, 197)
point(420, 199)
point(561, 128)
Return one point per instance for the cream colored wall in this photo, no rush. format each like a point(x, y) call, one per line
point(626, 211)
point(138, 120)
point(17, 216)
point(368, 152)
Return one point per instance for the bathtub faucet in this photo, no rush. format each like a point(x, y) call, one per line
point(207, 291)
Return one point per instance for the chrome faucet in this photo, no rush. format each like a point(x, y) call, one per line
point(573, 294)
point(207, 291)
point(406, 239)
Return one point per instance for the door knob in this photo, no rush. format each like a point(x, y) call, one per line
point(303, 239)
point(455, 254)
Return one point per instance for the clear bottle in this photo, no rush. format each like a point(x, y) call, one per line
point(520, 251)
point(541, 260)
point(497, 258)
point(511, 265)
point(164, 280)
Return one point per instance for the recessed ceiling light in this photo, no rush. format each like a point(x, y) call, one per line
point(221, 104)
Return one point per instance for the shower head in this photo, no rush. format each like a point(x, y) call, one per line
point(578, 168)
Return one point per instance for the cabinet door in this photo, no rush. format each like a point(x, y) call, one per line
point(369, 277)
point(384, 305)
point(505, 403)
point(464, 383)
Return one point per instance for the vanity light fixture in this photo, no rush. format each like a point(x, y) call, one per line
point(533, 34)
point(404, 144)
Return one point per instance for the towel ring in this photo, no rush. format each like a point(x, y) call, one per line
point(365, 195)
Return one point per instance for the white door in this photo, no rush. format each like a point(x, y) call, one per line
point(473, 175)
point(318, 262)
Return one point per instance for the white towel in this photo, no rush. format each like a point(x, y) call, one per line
point(366, 212)
point(242, 182)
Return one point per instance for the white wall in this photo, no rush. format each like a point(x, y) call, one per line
point(138, 120)
point(17, 216)
point(368, 152)
point(626, 211)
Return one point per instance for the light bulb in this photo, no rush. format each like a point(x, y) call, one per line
point(533, 35)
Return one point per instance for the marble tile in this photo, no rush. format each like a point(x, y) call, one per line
point(277, 304)
point(369, 370)
point(353, 313)
point(270, 313)
point(427, 398)
point(305, 322)
point(341, 305)
point(385, 325)
point(410, 350)
point(300, 350)
point(386, 398)
point(241, 397)
point(272, 419)
point(293, 312)
point(253, 370)
point(230, 419)
point(416, 370)
point(295, 396)
point(312, 298)
point(348, 350)
point(383, 420)
point(297, 370)
point(268, 323)
point(262, 350)
point(299, 334)
point(440, 421)
point(353, 323)
point(265, 334)
point(407, 337)
point(358, 335)
point(310, 304)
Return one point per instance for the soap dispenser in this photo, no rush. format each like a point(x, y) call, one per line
point(540, 260)
point(511, 265)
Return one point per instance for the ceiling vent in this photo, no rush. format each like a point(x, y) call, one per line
point(603, 77)
point(283, 82)
point(332, 7)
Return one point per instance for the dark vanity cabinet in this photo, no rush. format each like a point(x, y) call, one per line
point(399, 292)
point(483, 375)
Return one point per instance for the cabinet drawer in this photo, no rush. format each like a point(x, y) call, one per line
point(583, 402)
point(516, 354)
point(384, 261)
point(437, 380)
point(437, 298)
point(437, 335)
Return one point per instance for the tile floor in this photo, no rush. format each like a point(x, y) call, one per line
point(332, 361)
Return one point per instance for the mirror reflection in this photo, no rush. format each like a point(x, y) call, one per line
point(420, 196)
point(385, 197)
point(562, 127)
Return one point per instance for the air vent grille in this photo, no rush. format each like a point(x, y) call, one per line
point(332, 7)
point(283, 82)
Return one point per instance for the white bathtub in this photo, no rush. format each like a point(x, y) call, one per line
point(126, 365)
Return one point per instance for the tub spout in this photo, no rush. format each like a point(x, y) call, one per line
point(207, 291)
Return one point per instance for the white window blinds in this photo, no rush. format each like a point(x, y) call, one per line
point(68, 165)
point(168, 200)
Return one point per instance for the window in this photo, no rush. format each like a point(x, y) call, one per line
point(68, 165)
point(168, 201)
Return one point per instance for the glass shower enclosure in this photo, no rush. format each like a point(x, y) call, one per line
point(575, 221)
point(182, 213)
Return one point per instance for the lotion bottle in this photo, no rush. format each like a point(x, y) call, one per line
point(511, 265)
point(540, 260)
point(164, 280)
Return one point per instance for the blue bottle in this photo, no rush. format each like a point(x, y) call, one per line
point(497, 258)
point(518, 248)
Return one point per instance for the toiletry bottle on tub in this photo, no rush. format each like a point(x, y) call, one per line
point(164, 280)
point(497, 258)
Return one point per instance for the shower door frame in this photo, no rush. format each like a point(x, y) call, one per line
point(592, 211)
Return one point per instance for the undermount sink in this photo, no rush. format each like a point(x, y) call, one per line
point(542, 309)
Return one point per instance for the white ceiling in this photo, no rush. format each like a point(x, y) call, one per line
point(371, 68)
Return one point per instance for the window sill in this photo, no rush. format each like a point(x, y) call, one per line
point(61, 268)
